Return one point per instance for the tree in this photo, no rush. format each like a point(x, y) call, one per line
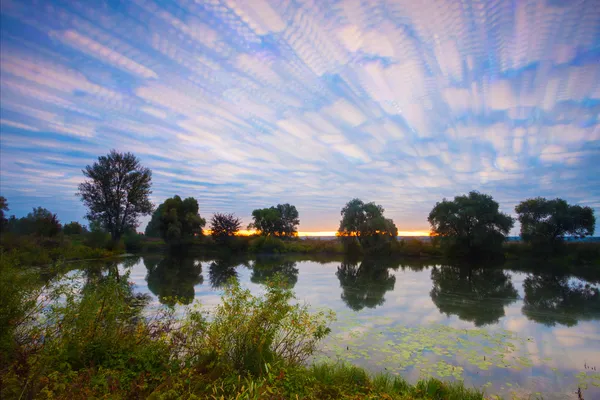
point(289, 220)
point(281, 220)
point(73, 228)
point(224, 226)
point(40, 222)
point(365, 221)
point(470, 225)
point(546, 222)
point(153, 227)
point(3, 208)
point(179, 220)
point(116, 192)
point(476, 295)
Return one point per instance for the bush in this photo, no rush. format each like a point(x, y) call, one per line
point(266, 244)
point(133, 242)
point(247, 332)
point(73, 228)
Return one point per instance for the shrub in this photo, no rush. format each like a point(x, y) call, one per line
point(133, 242)
point(73, 228)
point(247, 331)
point(266, 244)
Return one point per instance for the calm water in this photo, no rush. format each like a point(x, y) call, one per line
point(510, 332)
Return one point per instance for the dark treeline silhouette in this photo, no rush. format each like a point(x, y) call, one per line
point(116, 191)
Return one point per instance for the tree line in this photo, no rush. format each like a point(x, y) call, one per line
point(116, 192)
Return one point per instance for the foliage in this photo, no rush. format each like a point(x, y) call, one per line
point(19, 291)
point(247, 332)
point(31, 250)
point(3, 208)
point(470, 225)
point(133, 242)
point(366, 222)
point(40, 222)
point(116, 192)
point(478, 295)
point(179, 220)
point(73, 228)
point(546, 222)
point(281, 221)
point(224, 226)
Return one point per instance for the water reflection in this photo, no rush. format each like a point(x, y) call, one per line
point(552, 300)
point(222, 270)
point(365, 283)
point(265, 268)
point(172, 278)
point(476, 295)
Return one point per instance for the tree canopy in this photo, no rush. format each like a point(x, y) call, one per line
point(178, 220)
point(366, 222)
point(3, 208)
point(224, 226)
point(116, 192)
point(547, 222)
point(39, 221)
point(470, 224)
point(281, 220)
point(73, 228)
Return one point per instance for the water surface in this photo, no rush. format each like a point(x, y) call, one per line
point(507, 331)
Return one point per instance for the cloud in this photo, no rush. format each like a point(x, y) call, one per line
point(245, 104)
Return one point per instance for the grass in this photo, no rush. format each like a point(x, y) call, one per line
point(94, 341)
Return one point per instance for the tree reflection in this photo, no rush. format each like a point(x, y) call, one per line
point(172, 279)
point(265, 269)
point(551, 300)
point(476, 295)
point(222, 270)
point(365, 284)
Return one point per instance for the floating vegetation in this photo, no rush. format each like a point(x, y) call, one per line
point(585, 378)
point(430, 350)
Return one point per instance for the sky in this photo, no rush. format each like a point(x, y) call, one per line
point(247, 104)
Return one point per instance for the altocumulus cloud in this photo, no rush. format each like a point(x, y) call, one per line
point(245, 104)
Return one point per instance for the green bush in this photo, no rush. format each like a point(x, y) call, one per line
point(247, 332)
point(266, 244)
point(133, 242)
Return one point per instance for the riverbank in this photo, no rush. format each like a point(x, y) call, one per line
point(93, 342)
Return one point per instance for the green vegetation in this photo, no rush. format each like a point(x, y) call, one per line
point(97, 342)
point(365, 223)
point(281, 221)
point(116, 192)
point(117, 188)
point(544, 223)
point(179, 221)
point(73, 228)
point(224, 227)
point(470, 225)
